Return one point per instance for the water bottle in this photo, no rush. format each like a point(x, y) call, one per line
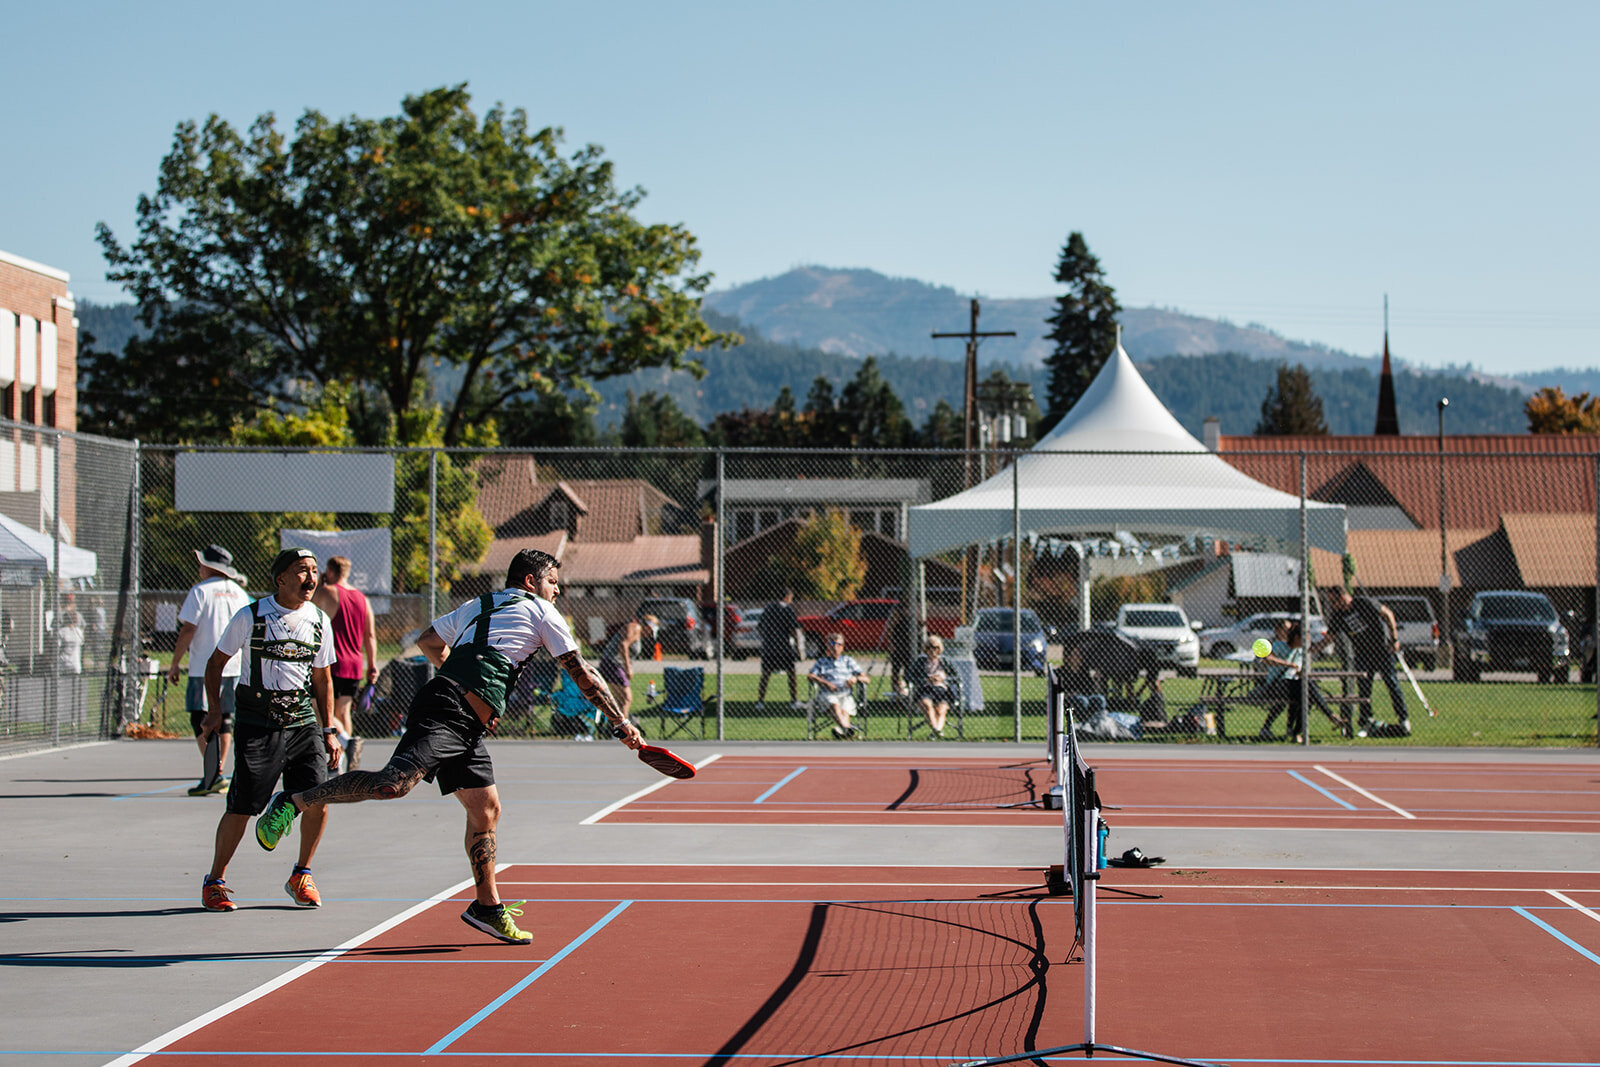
point(650, 693)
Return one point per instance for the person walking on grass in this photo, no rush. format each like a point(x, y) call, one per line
point(478, 649)
point(355, 640)
point(781, 638)
point(207, 609)
point(284, 707)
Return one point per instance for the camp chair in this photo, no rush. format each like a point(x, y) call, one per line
point(683, 700)
point(571, 715)
point(817, 717)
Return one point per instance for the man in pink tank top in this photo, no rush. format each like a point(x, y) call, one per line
point(355, 639)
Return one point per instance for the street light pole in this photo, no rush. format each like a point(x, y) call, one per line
point(1446, 636)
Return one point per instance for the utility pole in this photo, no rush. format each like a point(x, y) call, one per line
point(969, 433)
point(969, 400)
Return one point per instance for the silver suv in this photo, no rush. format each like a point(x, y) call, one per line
point(1164, 633)
point(1419, 633)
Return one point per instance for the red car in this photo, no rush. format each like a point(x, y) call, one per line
point(862, 623)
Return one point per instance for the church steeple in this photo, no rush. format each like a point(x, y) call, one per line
point(1388, 424)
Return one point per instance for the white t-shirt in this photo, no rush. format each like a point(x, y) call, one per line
point(516, 632)
point(300, 625)
point(210, 606)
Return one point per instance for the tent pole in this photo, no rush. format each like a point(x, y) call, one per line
point(1305, 612)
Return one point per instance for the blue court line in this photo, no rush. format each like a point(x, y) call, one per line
point(1557, 934)
point(785, 780)
point(1297, 776)
point(494, 1005)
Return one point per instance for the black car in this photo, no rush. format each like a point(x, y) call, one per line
point(1511, 630)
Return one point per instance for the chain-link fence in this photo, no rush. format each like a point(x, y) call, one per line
point(68, 521)
point(1147, 579)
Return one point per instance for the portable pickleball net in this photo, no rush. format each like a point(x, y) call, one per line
point(1084, 839)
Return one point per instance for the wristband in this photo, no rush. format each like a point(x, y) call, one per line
point(329, 730)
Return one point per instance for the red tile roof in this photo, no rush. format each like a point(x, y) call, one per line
point(1486, 476)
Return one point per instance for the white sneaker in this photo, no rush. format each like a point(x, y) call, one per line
point(760, 705)
point(798, 705)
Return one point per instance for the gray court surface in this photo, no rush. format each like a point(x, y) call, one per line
point(105, 946)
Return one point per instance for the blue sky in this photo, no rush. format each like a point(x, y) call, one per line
point(1284, 164)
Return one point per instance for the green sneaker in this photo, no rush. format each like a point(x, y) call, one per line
point(275, 822)
point(498, 923)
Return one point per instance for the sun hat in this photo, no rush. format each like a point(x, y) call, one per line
point(220, 560)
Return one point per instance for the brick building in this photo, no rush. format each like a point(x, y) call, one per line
point(38, 348)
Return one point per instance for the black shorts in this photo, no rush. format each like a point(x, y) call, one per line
point(774, 660)
point(345, 687)
point(194, 695)
point(445, 739)
point(261, 755)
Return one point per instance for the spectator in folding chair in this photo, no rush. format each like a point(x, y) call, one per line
point(935, 685)
point(834, 675)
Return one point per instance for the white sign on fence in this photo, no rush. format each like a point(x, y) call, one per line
point(361, 482)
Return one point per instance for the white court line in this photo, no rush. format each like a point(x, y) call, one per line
point(1569, 902)
point(1403, 813)
point(176, 1033)
point(646, 791)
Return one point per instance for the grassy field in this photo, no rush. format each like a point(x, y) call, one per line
point(1481, 714)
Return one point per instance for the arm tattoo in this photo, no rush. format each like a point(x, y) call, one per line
point(594, 690)
point(481, 854)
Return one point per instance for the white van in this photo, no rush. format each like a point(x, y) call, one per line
point(1419, 633)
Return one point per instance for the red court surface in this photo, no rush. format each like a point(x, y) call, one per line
point(765, 966)
point(1288, 793)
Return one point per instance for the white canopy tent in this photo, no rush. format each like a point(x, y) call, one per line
point(1119, 461)
point(26, 555)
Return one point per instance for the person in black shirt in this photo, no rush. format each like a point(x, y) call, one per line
point(1375, 637)
point(779, 629)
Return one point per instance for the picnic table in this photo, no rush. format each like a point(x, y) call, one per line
point(1223, 688)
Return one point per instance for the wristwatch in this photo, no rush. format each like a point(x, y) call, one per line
point(326, 730)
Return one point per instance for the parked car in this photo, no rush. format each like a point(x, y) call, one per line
point(683, 629)
point(746, 635)
point(992, 640)
point(862, 622)
point(1419, 633)
point(731, 614)
point(1219, 642)
point(1164, 633)
point(1511, 630)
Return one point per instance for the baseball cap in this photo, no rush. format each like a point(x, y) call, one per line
point(287, 558)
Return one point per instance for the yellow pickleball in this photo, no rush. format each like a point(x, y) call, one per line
point(1262, 648)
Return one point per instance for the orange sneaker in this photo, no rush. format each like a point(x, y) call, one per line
point(302, 890)
point(214, 896)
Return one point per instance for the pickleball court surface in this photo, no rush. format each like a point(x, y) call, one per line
point(709, 952)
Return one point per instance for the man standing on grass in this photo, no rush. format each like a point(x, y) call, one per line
point(285, 710)
point(210, 606)
point(355, 639)
point(781, 637)
point(479, 648)
point(1373, 631)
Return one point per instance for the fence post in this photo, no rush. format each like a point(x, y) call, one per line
point(1016, 601)
point(718, 581)
point(1594, 604)
point(433, 535)
point(53, 701)
point(1305, 611)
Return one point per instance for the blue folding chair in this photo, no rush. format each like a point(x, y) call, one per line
point(571, 715)
point(683, 700)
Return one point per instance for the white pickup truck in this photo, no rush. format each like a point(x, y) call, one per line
point(1165, 632)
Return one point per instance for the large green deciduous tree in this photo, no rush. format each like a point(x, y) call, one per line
point(1083, 327)
point(372, 251)
point(1292, 407)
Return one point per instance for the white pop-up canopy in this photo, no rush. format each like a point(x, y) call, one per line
point(27, 554)
point(1120, 461)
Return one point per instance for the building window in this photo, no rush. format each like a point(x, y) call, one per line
point(27, 412)
point(10, 402)
point(50, 409)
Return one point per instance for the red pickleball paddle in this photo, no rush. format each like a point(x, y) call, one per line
point(663, 760)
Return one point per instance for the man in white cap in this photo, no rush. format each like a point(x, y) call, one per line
point(212, 602)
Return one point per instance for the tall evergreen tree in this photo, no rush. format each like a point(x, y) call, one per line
point(1292, 407)
point(870, 415)
point(1084, 329)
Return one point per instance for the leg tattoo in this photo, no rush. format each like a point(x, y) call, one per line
point(481, 854)
point(391, 782)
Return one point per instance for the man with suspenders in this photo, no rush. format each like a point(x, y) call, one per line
point(478, 649)
point(283, 706)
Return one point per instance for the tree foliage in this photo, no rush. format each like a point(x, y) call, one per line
point(1083, 327)
point(1550, 410)
point(1291, 407)
point(827, 562)
point(372, 251)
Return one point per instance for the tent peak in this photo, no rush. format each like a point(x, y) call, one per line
point(1119, 412)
